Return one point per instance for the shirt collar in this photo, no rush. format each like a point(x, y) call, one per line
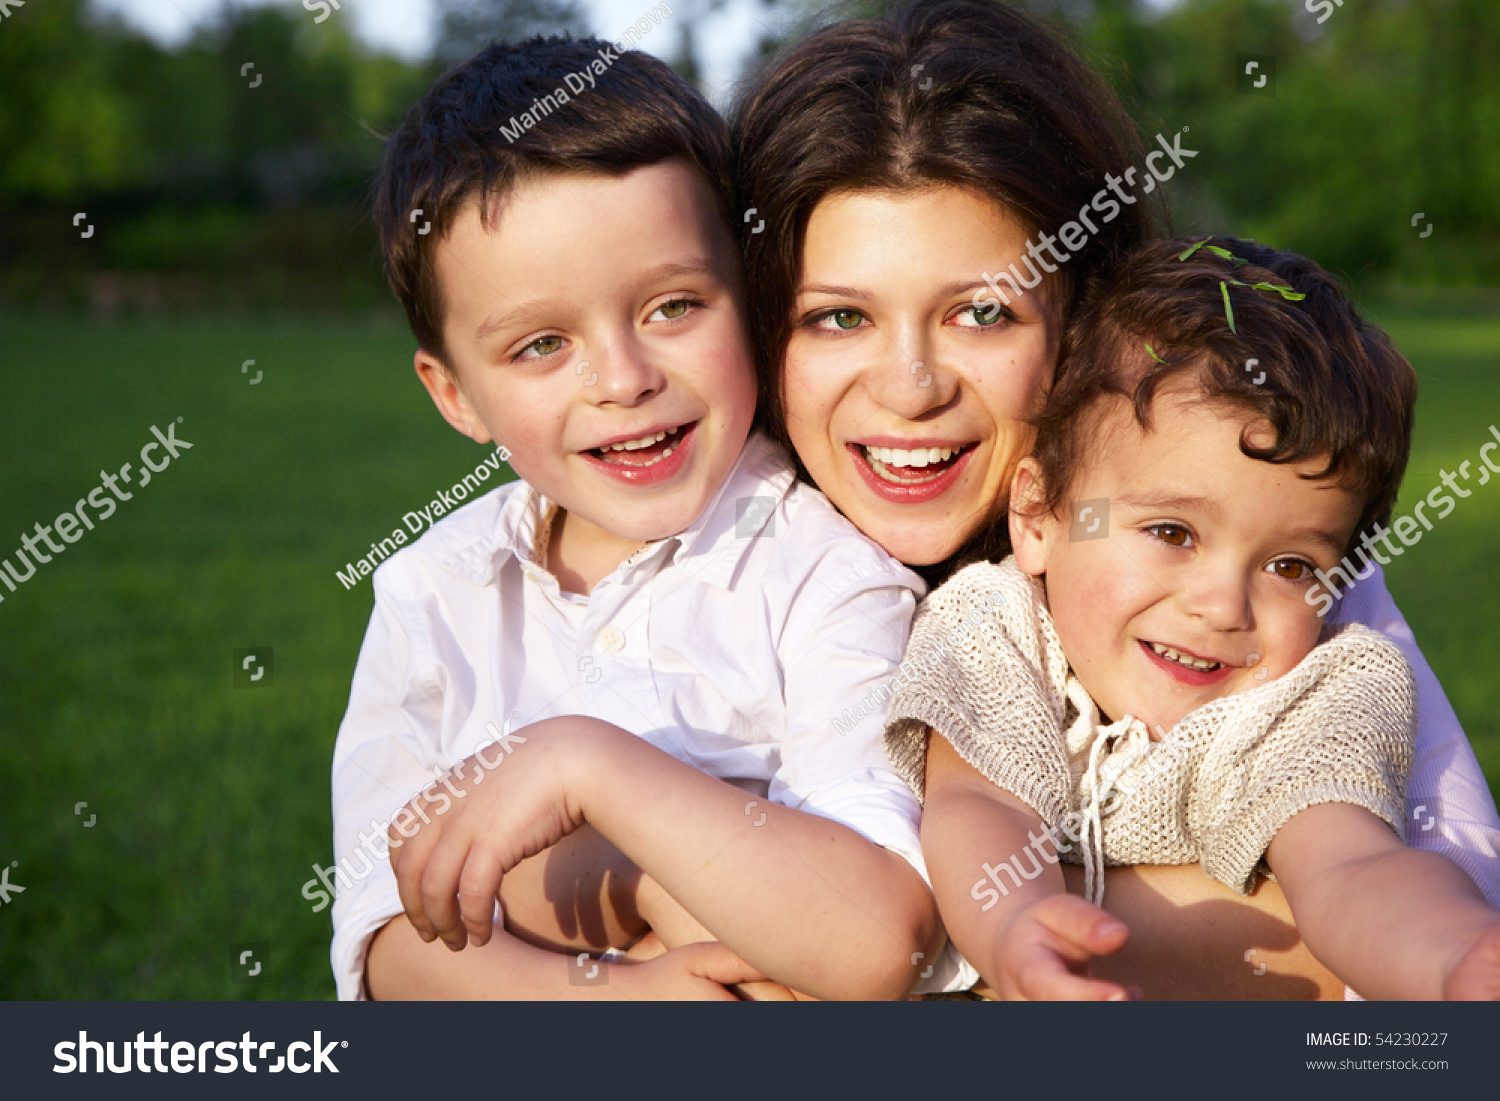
point(710, 548)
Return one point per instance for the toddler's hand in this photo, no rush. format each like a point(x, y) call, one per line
point(496, 808)
point(1043, 952)
point(1476, 976)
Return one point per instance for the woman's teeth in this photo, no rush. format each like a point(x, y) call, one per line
point(920, 456)
point(1170, 654)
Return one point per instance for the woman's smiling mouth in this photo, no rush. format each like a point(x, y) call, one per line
point(910, 471)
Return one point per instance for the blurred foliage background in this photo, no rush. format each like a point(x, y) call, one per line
point(230, 224)
point(217, 192)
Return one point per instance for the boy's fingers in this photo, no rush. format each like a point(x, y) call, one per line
point(717, 962)
point(410, 864)
point(478, 888)
point(1084, 928)
point(440, 891)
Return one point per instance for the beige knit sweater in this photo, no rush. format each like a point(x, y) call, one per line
point(985, 669)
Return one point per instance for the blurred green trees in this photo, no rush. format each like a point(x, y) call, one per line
point(234, 168)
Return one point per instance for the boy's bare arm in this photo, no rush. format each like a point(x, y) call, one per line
point(801, 897)
point(1034, 941)
point(1393, 922)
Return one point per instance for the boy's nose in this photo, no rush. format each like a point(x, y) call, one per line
point(621, 373)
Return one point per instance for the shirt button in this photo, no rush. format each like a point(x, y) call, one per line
point(611, 640)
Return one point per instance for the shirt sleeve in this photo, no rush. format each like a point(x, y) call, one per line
point(394, 710)
point(1449, 808)
point(982, 672)
point(1346, 740)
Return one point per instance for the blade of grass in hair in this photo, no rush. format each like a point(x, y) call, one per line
point(1228, 309)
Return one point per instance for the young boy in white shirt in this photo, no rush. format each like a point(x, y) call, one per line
point(649, 673)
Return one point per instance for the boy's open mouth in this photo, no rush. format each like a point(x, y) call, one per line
point(643, 451)
point(911, 466)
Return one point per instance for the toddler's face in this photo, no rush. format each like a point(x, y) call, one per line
point(1191, 549)
point(595, 331)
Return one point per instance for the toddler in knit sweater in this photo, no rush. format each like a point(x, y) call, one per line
point(1148, 679)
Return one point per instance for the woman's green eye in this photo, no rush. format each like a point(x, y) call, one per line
point(987, 314)
point(847, 319)
point(673, 310)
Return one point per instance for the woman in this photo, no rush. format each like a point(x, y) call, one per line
point(936, 188)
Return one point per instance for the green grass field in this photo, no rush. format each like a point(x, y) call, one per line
point(210, 804)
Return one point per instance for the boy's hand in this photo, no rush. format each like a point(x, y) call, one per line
point(694, 972)
point(1476, 976)
point(1043, 951)
point(505, 804)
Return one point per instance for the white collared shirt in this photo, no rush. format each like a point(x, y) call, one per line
point(735, 646)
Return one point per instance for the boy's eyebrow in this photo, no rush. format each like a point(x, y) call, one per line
point(697, 266)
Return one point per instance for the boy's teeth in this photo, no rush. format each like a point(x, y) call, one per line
point(1170, 654)
point(636, 445)
point(915, 457)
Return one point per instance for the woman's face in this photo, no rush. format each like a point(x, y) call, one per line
point(905, 401)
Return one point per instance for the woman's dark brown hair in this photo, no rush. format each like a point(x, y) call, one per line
point(966, 94)
point(1331, 385)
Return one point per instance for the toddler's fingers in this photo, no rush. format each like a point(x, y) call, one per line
point(478, 888)
point(440, 890)
point(1046, 978)
point(1084, 929)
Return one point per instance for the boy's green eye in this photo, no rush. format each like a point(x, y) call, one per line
point(545, 346)
point(673, 310)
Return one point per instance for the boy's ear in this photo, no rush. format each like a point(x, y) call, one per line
point(449, 399)
point(1032, 526)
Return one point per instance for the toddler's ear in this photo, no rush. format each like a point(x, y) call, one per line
point(442, 386)
point(1032, 525)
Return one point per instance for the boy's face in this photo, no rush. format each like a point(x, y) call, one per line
point(1192, 546)
point(598, 311)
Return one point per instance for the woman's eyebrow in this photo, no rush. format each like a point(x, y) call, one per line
point(834, 291)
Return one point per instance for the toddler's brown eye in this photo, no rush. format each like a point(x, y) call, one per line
point(1171, 534)
point(1290, 569)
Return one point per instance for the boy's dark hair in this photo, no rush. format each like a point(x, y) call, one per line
point(964, 93)
point(1329, 383)
point(450, 149)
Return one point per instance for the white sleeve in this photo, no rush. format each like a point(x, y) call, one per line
point(1449, 808)
point(840, 671)
point(394, 712)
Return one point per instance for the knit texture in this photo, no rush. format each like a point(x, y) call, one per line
point(990, 676)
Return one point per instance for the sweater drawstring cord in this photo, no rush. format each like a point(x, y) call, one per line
point(1098, 787)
